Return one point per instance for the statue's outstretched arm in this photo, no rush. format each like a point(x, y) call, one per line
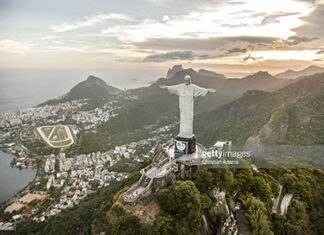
point(175, 89)
point(201, 91)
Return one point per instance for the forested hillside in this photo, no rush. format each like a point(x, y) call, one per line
point(145, 109)
point(291, 115)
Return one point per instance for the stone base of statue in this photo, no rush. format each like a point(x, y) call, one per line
point(185, 145)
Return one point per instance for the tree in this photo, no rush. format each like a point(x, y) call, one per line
point(273, 183)
point(223, 178)
point(297, 219)
point(126, 226)
point(203, 180)
point(261, 189)
point(182, 202)
point(243, 179)
point(206, 202)
point(278, 223)
point(256, 213)
point(33, 202)
point(164, 225)
point(289, 181)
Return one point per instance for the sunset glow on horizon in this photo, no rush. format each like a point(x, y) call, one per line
point(227, 36)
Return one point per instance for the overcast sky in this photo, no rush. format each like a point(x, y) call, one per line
point(227, 36)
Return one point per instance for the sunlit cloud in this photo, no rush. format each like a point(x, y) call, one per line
point(232, 32)
point(89, 21)
point(67, 48)
point(266, 19)
point(287, 55)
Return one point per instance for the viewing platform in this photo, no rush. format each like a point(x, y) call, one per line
point(161, 171)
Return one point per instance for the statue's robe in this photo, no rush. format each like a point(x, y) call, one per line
point(186, 95)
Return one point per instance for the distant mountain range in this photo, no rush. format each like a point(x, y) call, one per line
point(98, 91)
point(288, 74)
point(259, 75)
point(207, 73)
point(226, 89)
point(291, 74)
point(155, 107)
point(291, 115)
point(237, 110)
point(203, 72)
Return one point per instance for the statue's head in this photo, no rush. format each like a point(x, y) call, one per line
point(187, 79)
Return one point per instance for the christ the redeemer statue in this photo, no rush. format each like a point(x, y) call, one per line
point(186, 92)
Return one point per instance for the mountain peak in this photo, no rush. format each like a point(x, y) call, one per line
point(262, 73)
point(94, 78)
point(259, 75)
point(314, 66)
point(209, 73)
point(93, 88)
point(292, 74)
point(175, 69)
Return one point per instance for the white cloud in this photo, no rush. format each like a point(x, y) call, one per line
point(165, 18)
point(89, 21)
point(287, 55)
point(15, 47)
point(220, 20)
point(67, 48)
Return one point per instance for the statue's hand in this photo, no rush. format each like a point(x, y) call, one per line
point(163, 86)
point(212, 90)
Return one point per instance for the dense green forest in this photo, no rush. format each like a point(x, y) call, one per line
point(183, 203)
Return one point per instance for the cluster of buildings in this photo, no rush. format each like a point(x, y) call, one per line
point(21, 161)
point(50, 164)
point(18, 126)
point(7, 141)
point(61, 112)
point(71, 178)
point(39, 114)
point(24, 162)
point(95, 117)
point(83, 174)
point(76, 178)
point(6, 226)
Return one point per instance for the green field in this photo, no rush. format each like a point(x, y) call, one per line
point(56, 136)
point(47, 130)
point(62, 143)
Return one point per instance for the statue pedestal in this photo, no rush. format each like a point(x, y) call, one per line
point(185, 145)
